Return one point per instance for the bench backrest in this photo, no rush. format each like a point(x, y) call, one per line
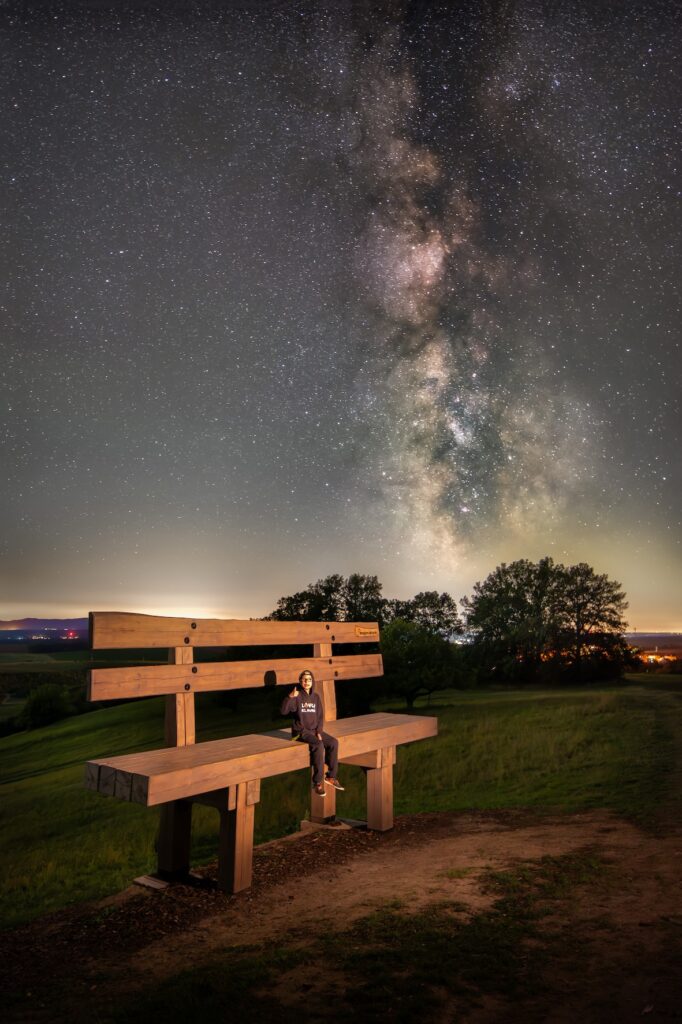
point(181, 678)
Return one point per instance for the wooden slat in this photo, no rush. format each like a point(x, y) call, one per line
point(123, 783)
point(179, 723)
point(235, 853)
point(107, 779)
point(324, 684)
point(380, 798)
point(372, 759)
point(109, 630)
point(253, 792)
point(323, 808)
point(174, 838)
point(150, 680)
point(139, 791)
point(182, 772)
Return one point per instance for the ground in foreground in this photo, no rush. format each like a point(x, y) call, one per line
point(472, 917)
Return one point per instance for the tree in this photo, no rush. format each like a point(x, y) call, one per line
point(323, 601)
point(362, 599)
point(436, 612)
point(592, 614)
point(515, 615)
point(335, 599)
point(416, 660)
point(48, 703)
point(527, 617)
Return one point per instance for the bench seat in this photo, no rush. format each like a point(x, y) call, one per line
point(176, 773)
point(226, 774)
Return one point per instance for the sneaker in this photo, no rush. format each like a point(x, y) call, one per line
point(319, 789)
point(333, 782)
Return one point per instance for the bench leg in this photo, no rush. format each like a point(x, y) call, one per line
point(235, 856)
point(323, 808)
point(380, 792)
point(174, 840)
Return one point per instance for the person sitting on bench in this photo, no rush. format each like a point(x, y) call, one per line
point(306, 707)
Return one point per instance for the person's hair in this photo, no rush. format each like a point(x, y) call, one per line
point(306, 672)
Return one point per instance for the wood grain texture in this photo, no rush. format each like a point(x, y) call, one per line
point(380, 798)
point(179, 728)
point(110, 630)
point(186, 677)
point(107, 778)
point(174, 841)
point(217, 798)
point(235, 853)
point(323, 808)
point(174, 773)
point(226, 774)
point(372, 759)
point(91, 779)
point(324, 680)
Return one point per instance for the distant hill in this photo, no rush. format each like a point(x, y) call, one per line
point(664, 643)
point(79, 626)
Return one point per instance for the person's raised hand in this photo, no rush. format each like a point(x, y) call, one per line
point(294, 692)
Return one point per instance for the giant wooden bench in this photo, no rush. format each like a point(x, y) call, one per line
point(226, 773)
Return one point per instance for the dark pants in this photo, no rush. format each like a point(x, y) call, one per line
point(322, 751)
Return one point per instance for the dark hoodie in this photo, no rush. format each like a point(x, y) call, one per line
point(307, 711)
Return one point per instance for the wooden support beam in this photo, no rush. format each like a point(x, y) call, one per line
point(174, 841)
point(324, 683)
point(323, 808)
point(369, 760)
point(380, 793)
point(179, 723)
point(235, 855)
point(175, 823)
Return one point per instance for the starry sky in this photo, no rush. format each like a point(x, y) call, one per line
point(294, 288)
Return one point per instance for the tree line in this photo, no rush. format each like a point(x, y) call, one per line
point(527, 622)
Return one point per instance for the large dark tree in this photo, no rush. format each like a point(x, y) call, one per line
point(362, 599)
point(417, 660)
point(528, 617)
point(515, 615)
point(436, 612)
point(333, 599)
point(592, 613)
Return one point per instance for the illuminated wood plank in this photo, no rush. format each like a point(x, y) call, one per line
point(109, 630)
point(188, 678)
point(160, 776)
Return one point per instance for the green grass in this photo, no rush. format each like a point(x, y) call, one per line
point(11, 708)
point(68, 661)
point(564, 750)
point(656, 680)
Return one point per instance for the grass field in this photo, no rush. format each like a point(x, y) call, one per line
point(67, 661)
point(611, 747)
point(11, 708)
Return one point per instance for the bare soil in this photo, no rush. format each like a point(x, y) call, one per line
point(621, 959)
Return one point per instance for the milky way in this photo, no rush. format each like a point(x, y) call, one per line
point(478, 434)
point(304, 288)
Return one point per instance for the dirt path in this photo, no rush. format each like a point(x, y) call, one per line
point(481, 917)
point(610, 944)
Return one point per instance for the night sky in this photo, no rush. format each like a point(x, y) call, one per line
point(300, 288)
